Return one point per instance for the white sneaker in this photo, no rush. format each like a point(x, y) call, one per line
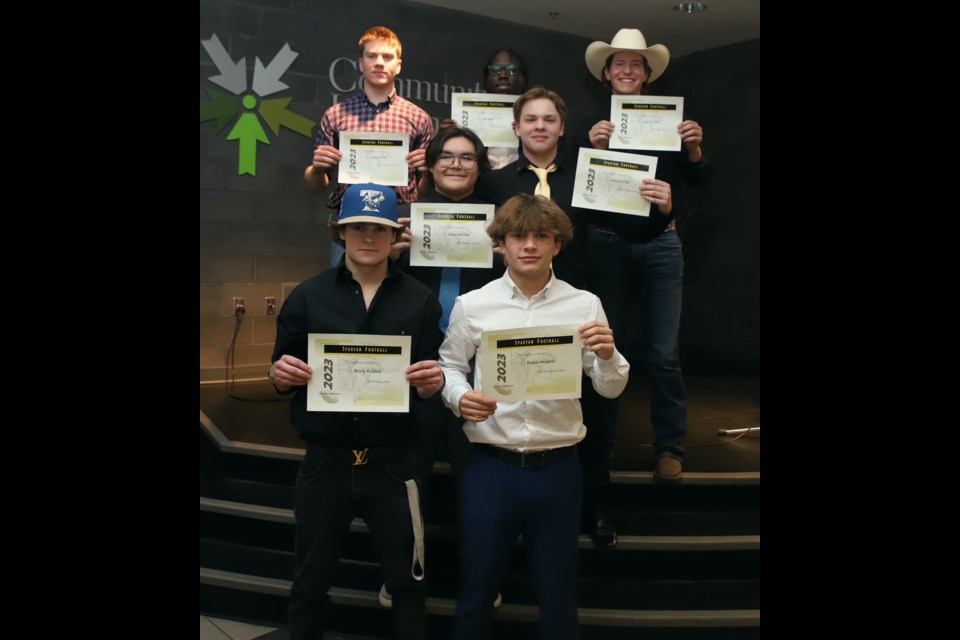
point(386, 600)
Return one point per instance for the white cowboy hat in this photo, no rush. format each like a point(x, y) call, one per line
point(657, 56)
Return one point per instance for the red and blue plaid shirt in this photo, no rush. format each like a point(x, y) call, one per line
point(396, 115)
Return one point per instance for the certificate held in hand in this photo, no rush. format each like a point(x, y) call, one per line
point(369, 156)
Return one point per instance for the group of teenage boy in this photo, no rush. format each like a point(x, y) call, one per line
point(540, 468)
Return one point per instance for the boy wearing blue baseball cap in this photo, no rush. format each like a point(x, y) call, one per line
point(359, 464)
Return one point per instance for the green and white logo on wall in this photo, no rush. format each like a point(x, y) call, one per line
point(223, 107)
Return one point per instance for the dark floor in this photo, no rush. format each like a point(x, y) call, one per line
point(715, 401)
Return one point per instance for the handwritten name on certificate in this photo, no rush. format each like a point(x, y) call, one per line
point(611, 180)
point(646, 122)
point(359, 373)
point(532, 363)
point(380, 158)
point(490, 115)
point(450, 235)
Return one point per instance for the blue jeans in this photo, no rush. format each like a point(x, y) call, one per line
point(329, 493)
point(651, 273)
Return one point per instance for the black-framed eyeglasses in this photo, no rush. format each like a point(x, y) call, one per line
point(495, 69)
point(466, 159)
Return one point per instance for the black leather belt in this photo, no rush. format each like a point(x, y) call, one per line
point(526, 459)
point(359, 457)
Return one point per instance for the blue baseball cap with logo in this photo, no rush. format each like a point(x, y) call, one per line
point(369, 203)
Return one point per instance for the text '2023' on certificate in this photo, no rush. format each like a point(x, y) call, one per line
point(359, 373)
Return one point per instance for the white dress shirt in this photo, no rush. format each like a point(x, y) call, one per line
point(529, 425)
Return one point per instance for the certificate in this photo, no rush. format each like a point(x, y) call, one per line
point(646, 122)
point(380, 158)
point(451, 235)
point(358, 373)
point(532, 363)
point(610, 181)
point(490, 115)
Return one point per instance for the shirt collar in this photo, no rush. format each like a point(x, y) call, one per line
point(514, 291)
point(389, 101)
point(523, 162)
point(344, 274)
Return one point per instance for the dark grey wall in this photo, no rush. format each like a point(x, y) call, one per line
point(721, 321)
point(260, 236)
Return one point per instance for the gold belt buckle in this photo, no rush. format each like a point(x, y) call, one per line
point(360, 457)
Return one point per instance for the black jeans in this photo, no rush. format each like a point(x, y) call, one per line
point(330, 493)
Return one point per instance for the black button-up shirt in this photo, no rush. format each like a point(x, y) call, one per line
point(332, 302)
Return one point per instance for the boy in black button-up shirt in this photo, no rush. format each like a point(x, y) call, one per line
point(364, 294)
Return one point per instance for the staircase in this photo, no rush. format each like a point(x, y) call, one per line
point(686, 565)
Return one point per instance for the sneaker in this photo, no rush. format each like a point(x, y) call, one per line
point(386, 600)
point(668, 469)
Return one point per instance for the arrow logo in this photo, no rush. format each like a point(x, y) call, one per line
point(233, 77)
point(249, 132)
point(275, 113)
point(223, 108)
point(266, 80)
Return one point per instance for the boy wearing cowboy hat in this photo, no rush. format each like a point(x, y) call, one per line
point(635, 257)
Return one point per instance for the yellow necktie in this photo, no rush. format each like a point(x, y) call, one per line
point(543, 187)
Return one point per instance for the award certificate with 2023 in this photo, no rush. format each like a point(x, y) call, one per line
point(490, 115)
point(611, 181)
point(646, 122)
point(531, 363)
point(359, 373)
point(450, 235)
point(369, 156)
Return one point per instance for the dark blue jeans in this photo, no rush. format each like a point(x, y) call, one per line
point(329, 494)
point(501, 500)
point(652, 274)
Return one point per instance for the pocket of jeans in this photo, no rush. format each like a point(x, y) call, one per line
point(601, 238)
point(669, 240)
point(402, 470)
point(311, 467)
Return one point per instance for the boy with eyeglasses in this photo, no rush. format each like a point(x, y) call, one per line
point(504, 73)
point(455, 159)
